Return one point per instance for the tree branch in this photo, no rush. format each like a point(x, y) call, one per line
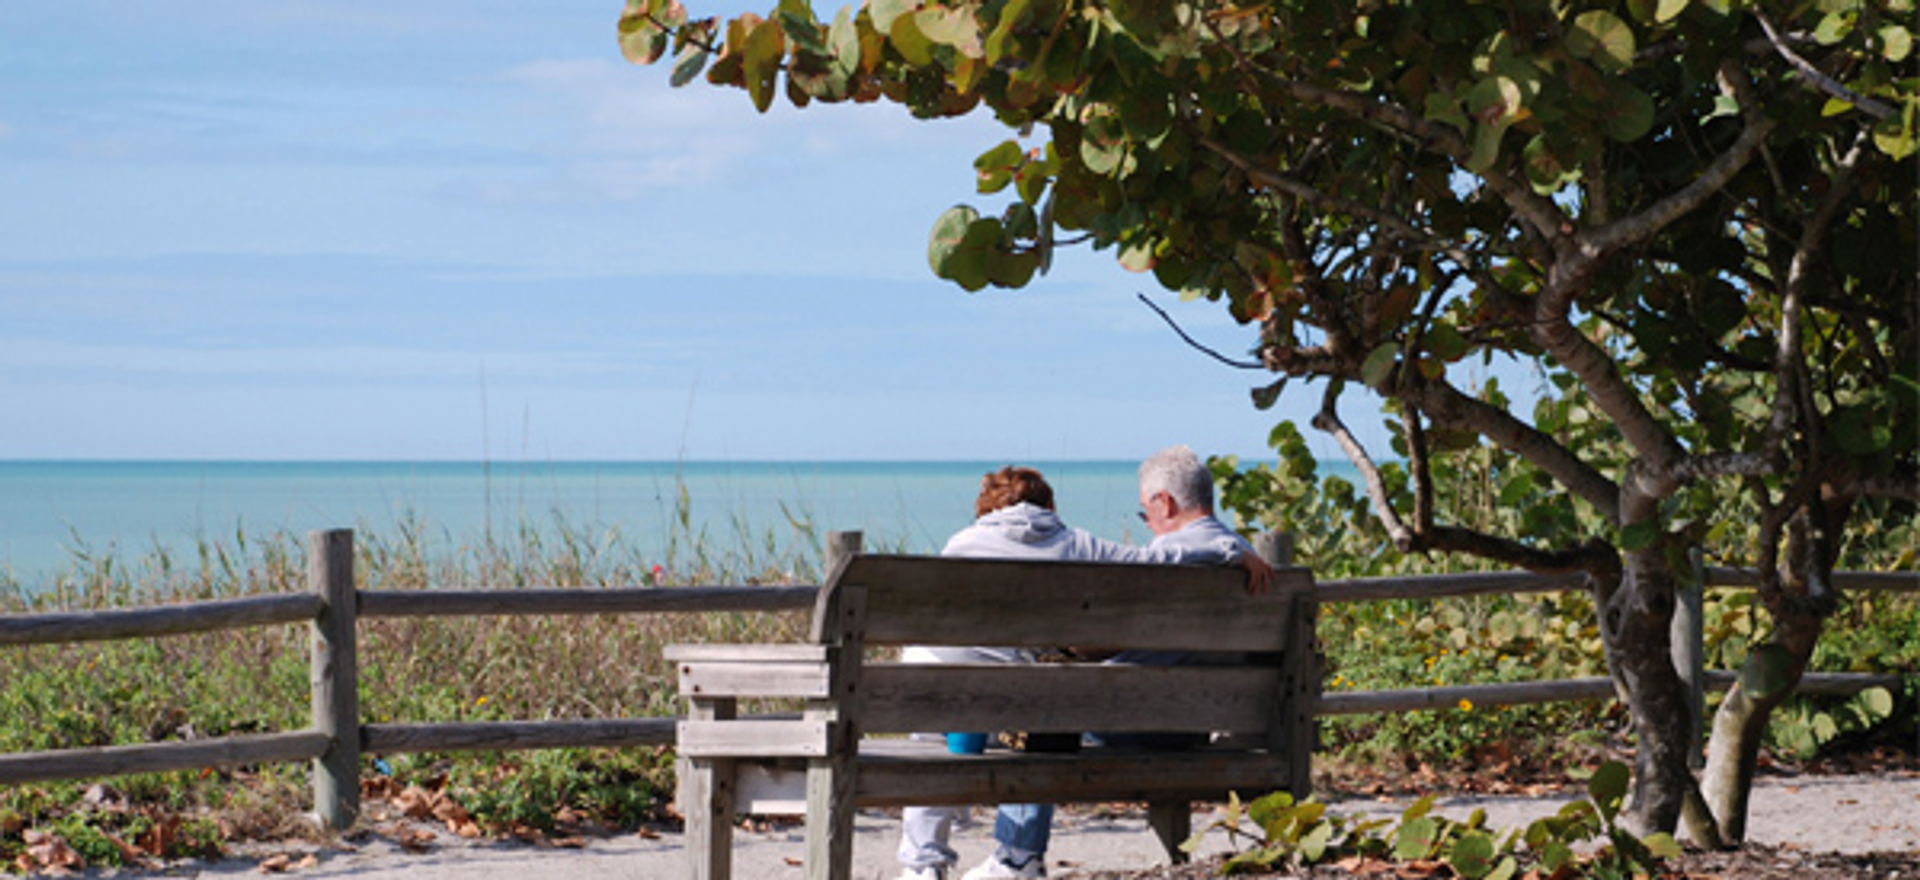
point(1243, 365)
point(1820, 81)
point(1328, 420)
point(1648, 223)
point(1448, 407)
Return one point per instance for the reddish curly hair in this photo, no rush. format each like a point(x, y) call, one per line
point(1009, 486)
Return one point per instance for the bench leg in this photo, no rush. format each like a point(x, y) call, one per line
point(830, 819)
point(706, 798)
point(1172, 822)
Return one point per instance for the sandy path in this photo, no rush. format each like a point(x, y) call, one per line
point(1854, 814)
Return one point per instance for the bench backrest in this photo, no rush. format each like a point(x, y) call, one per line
point(933, 600)
point(881, 600)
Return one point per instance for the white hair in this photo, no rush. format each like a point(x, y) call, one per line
point(1177, 471)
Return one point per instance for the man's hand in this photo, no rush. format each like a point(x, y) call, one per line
point(1259, 573)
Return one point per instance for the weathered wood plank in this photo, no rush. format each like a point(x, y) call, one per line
point(163, 620)
point(513, 735)
point(1446, 586)
point(938, 601)
point(798, 680)
point(1560, 690)
point(907, 698)
point(234, 751)
point(1892, 581)
point(334, 677)
point(1506, 694)
point(750, 652)
point(585, 600)
point(897, 773)
point(754, 737)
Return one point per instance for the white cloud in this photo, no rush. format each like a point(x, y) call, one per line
point(622, 133)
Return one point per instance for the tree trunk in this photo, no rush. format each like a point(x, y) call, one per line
point(1635, 621)
point(1741, 722)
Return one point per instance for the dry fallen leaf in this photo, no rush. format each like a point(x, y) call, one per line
point(418, 840)
point(275, 864)
point(50, 851)
point(309, 861)
point(648, 834)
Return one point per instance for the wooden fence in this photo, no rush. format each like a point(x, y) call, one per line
point(336, 740)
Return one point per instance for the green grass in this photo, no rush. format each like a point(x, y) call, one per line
point(412, 670)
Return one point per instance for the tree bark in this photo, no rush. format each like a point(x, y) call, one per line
point(1741, 723)
point(1635, 622)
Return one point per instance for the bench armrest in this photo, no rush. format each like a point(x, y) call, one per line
point(726, 671)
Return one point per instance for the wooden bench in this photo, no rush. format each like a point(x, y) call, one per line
point(824, 761)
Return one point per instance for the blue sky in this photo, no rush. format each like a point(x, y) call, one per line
point(421, 229)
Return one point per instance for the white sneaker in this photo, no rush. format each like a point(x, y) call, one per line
point(994, 867)
point(929, 873)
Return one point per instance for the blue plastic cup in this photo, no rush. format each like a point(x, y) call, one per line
point(966, 743)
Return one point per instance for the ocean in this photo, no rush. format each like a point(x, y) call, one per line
point(54, 513)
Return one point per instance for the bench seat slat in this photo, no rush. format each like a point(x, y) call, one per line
point(938, 601)
point(896, 772)
point(908, 698)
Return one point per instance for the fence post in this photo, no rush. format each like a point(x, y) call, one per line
point(1687, 635)
point(335, 677)
point(840, 545)
point(1276, 547)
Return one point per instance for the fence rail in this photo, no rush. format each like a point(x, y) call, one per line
point(332, 606)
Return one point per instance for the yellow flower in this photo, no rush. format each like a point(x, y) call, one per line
point(480, 702)
point(1466, 705)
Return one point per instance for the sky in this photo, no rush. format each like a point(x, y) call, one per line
point(429, 230)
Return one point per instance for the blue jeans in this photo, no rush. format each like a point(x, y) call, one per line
point(1021, 830)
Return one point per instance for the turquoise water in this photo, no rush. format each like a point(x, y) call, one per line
point(50, 512)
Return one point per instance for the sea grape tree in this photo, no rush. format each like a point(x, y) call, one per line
point(1696, 217)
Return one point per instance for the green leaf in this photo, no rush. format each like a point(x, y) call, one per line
point(1472, 855)
point(1896, 43)
point(1603, 38)
point(1444, 107)
point(1661, 845)
point(760, 56)
point(1857, 431)
point(1629, 111)
point(1608, 788)
point(1656, 11)
point(641, 40)
point(1137, 255)
point(1895, 135)
point(1378, 367)
point(1313, 846)
point(884, 12)
point(1416, 838)
point(959, 248)
point(1266, 396)
point(692, 60)
point(910, 42)
point(956, 28)
point(1834, 27)
point(1877, 703)
point(843, 39)
point(1768, 672)
point(994, 168)
point(1640, 535)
